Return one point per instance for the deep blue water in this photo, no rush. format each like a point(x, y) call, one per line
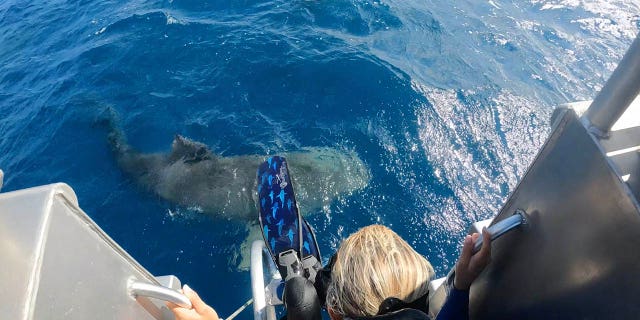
point(446, 102)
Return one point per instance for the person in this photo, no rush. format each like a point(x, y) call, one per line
point(374, 265)
point(375, 271)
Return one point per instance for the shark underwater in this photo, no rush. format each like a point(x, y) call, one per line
point(191, 175)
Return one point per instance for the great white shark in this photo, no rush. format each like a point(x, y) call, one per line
point(191, 175)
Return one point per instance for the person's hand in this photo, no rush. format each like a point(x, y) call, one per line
point(199, 311)
point(470, 265)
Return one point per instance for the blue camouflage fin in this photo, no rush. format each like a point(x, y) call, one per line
point(284, 230)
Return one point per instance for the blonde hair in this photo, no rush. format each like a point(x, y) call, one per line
point(372, 265)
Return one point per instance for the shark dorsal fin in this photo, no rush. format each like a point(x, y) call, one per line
point(189, 151)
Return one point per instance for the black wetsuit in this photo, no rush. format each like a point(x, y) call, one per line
point(456, 307)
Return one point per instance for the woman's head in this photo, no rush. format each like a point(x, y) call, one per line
point(372, 265)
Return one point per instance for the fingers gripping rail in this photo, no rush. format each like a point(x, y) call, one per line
point(438, 288)
point(517, 219)
point(142, 289)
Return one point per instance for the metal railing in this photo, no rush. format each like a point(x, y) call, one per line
point(264, 297)
point(143, 289)
point(617, 94)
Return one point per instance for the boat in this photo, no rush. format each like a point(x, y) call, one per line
point(565, 240)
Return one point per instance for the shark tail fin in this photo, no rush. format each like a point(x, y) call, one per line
point(116, 138)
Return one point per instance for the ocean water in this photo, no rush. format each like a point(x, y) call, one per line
point(446, 103)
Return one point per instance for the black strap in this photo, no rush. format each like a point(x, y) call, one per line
point(404, 314)
point(394, 304)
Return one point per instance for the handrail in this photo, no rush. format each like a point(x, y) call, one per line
point(1, 178)
point(502, 227)
point(263, 294)
point(142, 289)
point(617, 94)
point(257, 279)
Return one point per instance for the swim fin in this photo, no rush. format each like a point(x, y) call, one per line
point(288, 236)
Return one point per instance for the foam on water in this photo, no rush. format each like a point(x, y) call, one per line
point(614, 18)
point(489, 142)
